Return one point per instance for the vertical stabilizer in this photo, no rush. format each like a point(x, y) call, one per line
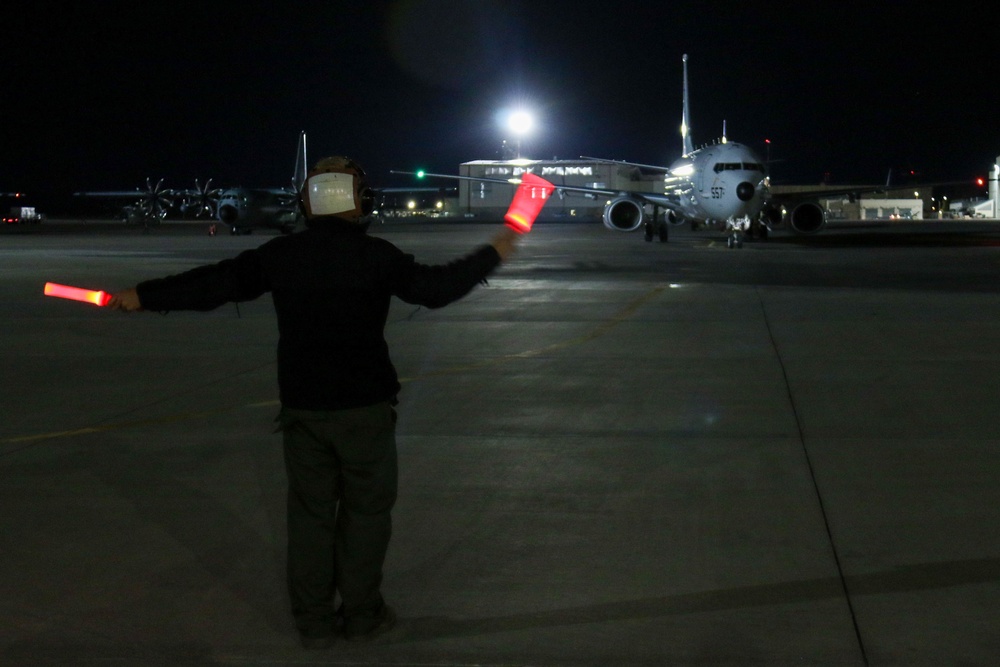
point(301, 163)
point(686, 115)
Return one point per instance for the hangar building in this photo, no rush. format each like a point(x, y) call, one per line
point(492, 199)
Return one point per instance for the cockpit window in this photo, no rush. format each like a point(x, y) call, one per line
point(738, 166)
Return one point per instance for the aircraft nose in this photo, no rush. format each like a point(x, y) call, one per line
point(228, 214)
point(745, 191)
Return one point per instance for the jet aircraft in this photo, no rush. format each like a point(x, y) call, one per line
point(724, 183)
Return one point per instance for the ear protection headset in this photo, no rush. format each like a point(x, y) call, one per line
point(337, 186)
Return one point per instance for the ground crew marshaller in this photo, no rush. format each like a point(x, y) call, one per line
point(331, 285)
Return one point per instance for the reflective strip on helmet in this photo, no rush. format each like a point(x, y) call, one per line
point(331, 193)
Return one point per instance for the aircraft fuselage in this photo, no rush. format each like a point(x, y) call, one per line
point(244, 208)
point(718, 183)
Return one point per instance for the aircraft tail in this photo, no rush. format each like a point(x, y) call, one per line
point(686, 115)
point(301, 163)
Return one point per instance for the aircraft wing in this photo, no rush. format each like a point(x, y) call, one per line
point(392, 190)
point(653, 167)
point(803, 213)
point(278, 192)
point(151, 203)
point(851, 191)
point(133, 194)
point(668, 201)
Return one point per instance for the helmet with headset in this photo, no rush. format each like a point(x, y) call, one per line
point(337, 187)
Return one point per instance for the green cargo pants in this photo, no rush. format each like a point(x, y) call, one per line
point(342, 479)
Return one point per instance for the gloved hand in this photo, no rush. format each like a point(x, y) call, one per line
point(505, 242)
point(127, 300)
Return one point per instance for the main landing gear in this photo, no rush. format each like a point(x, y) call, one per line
point(651, 229)
point(656, 227)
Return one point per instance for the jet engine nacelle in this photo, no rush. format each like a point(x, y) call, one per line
point(807, 218)
point(624, 214)
point(772, 216)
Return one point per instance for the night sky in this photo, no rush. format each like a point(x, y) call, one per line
point(102, 95)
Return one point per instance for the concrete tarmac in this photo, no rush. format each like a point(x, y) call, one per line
point(616, 453)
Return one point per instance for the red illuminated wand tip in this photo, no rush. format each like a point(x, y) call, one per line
point(528, 201)
point(96, 297)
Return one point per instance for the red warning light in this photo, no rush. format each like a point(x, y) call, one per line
point(528, 201)
point(98, 298)
point(980, 181)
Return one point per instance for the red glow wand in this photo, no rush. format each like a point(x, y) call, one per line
point(529, 199)
point(98, 298)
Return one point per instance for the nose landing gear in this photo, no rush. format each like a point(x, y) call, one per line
point(737, 231)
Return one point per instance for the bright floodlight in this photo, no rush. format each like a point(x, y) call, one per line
point(520, 123)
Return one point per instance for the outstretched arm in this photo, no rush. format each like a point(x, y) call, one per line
point(439, 285)
point(505, 242)
point(202, 288)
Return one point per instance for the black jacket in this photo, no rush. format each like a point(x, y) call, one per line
point(331, 287)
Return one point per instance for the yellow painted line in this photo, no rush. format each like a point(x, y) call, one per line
point(180, 416)
point(596, 332)
point(602, 329)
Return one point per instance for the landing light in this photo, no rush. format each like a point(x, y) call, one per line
point(684, 170)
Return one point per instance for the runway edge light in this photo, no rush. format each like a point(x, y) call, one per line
point(96, 297)
point(529, 199)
